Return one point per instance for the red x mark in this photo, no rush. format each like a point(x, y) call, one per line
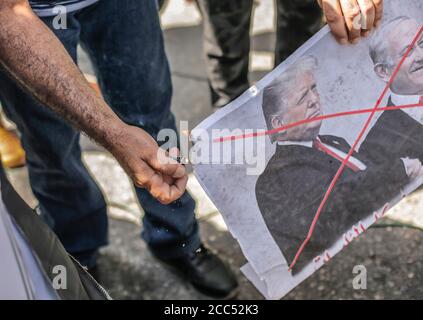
point(360, 136)
point(372, 112)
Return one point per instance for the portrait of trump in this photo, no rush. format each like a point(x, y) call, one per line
point(295, 180)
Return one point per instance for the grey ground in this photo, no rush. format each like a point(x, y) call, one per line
point(393, 256)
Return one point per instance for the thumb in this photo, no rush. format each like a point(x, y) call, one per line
point(166, 165)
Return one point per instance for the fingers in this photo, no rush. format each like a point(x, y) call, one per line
point(335, 19)
point(178, 188)
point(378, 12)
point(162, 187)
point(353, 17)
point(164, 163)
point(368, 13)
point(166, 192)
point(142, 175)
point(151, 167)
point(162, 176)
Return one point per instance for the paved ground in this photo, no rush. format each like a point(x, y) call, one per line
point(392, 256)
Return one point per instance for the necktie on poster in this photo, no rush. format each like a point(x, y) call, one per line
point(291, 206)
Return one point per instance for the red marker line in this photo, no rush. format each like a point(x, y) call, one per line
point(319, 118)
point(341, 168)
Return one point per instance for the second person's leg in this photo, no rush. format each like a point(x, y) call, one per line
point(227, 47)
point(297, 21)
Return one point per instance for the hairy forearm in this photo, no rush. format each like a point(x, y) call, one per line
point(35, 58)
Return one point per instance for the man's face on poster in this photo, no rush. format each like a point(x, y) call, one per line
point(302, 103)
point(409, 80)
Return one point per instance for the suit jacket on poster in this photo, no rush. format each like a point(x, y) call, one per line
point(294, 183)
point(394, 135)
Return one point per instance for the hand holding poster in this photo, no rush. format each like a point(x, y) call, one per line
point(319, 149)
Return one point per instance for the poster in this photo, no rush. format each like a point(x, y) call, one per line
point(319, 149)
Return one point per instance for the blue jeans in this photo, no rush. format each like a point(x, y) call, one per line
point(125, 44)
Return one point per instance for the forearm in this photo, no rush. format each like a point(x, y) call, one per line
point(37, 61)
point(34, 57)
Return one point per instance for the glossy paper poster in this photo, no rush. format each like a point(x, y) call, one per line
point(319, 149)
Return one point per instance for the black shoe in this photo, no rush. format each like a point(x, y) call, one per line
point(206, 272)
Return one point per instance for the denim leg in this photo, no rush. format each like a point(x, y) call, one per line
point(59, 180)
point(125, 43)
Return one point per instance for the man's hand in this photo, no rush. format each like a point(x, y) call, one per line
point(55, 81)
point(149, 166)
point(413, 167)
point(351, 19)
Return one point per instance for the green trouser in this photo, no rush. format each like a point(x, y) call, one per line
point(227, 40)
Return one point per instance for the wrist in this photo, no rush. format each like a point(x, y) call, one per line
point(116, 135)
point(108, 131)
